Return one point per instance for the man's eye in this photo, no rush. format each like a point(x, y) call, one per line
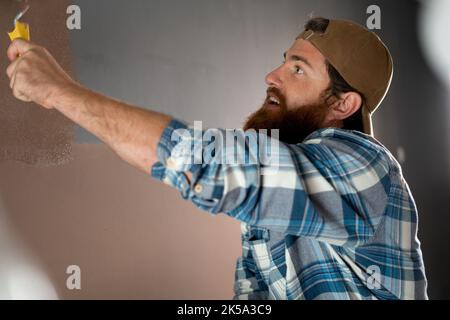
point(298, 70)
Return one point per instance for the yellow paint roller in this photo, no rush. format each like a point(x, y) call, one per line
point(21, 29)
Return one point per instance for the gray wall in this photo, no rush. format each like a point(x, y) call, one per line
point(196, 60)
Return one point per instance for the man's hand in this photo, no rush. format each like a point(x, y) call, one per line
point(35, 75)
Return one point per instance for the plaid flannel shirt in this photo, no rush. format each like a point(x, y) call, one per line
point(336, 221)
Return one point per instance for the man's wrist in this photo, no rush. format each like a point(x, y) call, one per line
point(66, 95)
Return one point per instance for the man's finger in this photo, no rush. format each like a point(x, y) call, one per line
point(12, 83)
point(12, 80)
point(17, 48)
point(11, 68)
point(19, 95)
point(12, 72)
point(22, 97)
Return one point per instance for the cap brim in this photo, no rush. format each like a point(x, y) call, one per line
point(367, 121)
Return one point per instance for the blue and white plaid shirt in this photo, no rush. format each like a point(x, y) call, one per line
point(336, 221)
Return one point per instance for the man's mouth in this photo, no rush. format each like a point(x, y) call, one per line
point(273, 102)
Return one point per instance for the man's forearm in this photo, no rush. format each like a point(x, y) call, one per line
point(133, 133)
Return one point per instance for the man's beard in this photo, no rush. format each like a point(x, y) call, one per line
point(294, 125)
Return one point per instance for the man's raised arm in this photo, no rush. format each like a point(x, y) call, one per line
point(133, 133)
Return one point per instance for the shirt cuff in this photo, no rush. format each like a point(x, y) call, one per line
point(163, 170)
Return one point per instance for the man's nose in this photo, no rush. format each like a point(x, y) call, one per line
point(273, 79)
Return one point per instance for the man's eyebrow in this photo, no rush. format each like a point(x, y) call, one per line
point(298, 58)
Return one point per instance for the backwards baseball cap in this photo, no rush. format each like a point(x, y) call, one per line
point(360, 57)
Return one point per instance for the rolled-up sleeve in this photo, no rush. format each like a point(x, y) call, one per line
point(164, 169)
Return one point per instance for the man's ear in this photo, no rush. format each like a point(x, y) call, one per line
point(347, 105)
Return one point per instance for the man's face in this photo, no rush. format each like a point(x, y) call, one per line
point(295, 102)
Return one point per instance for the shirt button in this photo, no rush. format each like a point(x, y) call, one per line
point(198, 188)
